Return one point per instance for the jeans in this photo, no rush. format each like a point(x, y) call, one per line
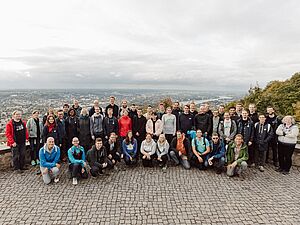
point(231, 171)
point(52, 173)
point(285, 153)
point(129, 162)
point(178, 160)
point(18, 156)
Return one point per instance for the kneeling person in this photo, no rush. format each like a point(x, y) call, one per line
point(237, 155)
point(97, 158)
point(77, 162)
point(49, 161)
point(216, 157)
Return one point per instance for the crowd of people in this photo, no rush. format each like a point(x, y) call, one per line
point(92, 141)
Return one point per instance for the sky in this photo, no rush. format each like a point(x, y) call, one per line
point(169, 44)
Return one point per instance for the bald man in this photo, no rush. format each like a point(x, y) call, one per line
point(49, 161)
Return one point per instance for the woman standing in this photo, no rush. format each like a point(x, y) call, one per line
point(85, 134)
point(35, 128)
point(72, 127)
point(287, 138)
point(125, 124)
point(50, 130)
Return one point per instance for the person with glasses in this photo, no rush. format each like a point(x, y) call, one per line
point(216, 157)
point(201, 149)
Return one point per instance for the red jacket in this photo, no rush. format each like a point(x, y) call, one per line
point(9, 133)
point(125, 125)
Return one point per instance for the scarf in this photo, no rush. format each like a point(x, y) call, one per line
point(51, 127)
point(180, 146)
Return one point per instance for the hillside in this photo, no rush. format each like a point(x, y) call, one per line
point(284, 96)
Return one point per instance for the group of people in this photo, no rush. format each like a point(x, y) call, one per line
point(94, 140)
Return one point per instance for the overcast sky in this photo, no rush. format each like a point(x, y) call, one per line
point(154, 43)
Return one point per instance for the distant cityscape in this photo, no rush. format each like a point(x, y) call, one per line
point(41, 100)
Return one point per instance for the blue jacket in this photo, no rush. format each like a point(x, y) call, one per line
point(129, 152)
point(77, 150)
point(47, 159)
point(219, 152)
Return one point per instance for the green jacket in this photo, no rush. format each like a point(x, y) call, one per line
point(243, 156)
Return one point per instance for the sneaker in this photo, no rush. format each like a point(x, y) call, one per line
point(252, 165)
point(164, 169)
point(261, 169)
point(219, 171)
point(33, 163)
point(75, 182)
point(56, 179)
point(37, 162)
point(285, 172)
point(276, 164)
point(279, 170)
point(19, 171)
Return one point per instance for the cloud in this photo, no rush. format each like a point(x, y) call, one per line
point(160, 44)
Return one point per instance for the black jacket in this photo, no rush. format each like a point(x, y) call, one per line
point(204, 123)
point(92, 111)
point(97, 157)
point(54, 133)
point(139, 125)
point(262, 138)
point(110, 125)
point(116, 149)
point(115, 110)
point(61, 129)
point(246, 128)
point(185, 122)
point(84, 133)
point(254, 117)
point(72, 127)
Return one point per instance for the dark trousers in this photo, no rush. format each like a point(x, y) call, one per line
point(195, 162)
point(129, 162)
point(285, 153)
point(164, 160)
point(274, 146)
point(76, 171)
point(251, 154)
point(63, 149)
point(34, 148)
point(95, 170)
point(169, 137)
point(18, 156)
point(148, 162)
point(139, 141)
point(260, 157)
point(99, 135)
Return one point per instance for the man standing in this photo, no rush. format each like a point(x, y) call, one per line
point(96, 124)
point(263, 134)
point(61, 128)
point(49, 158)
point(176, 111)
point(245, 127)
point(139, 128)
point(92, 110)
point(274, 121)
point(252, 113)
point(203, 122)
point(110, 124)
point(77, 107)
point(186, 120)
point(17, 134)
point(113, 106)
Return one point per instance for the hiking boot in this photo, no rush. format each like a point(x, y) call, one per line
point(56, 179)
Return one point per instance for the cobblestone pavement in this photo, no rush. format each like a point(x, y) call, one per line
point(148, 196)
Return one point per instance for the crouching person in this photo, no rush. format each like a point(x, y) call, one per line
point(201, 149)
point(180, 150)
point(162, 150)
point(237, 155)
point(97, 158)
point(216, 157)
point(112, 147)
point(77, 162)
point(129, 149)
point(49, 161)
point(148, 149)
